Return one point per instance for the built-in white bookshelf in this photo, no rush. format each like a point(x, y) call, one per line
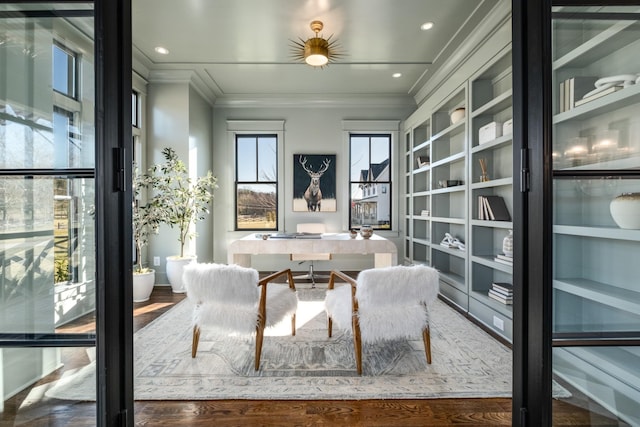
point(442, 196)
point(595, 147)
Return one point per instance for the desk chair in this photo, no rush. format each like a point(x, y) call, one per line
point(313, 227)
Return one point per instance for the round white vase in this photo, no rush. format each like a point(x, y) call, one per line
point(625, 210)
point(457, 115)
point(507, 244)
point(175, 265)
point(143, 285)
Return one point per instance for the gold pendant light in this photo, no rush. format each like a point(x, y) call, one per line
point(315, 51)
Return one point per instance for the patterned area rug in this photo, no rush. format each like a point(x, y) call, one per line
point(467, 362)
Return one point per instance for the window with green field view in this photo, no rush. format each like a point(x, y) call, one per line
point(256, 182)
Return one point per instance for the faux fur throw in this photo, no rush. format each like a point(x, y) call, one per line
point(393, 302)
point(227, 296)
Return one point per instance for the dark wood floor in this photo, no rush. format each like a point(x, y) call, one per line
point(23, 411)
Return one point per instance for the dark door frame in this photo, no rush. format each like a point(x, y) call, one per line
point(114, 252)
point(533, 216)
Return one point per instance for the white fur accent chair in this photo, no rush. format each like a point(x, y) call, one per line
point(383, 304)
point(233, 299)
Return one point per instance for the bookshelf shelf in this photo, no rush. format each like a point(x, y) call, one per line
point(602, 293)
point(497, 104)
point(617, 100)
point(504, 140)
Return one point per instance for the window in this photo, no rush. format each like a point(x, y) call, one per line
point(370, 181)
point(67, 139)
point(256, 182)
point(135, 109)
point(64, 71)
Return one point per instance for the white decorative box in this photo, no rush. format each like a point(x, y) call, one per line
point(489, 132)
point(507, 127)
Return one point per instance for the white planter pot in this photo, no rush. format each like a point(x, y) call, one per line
point(175, 265)
point(143, 285)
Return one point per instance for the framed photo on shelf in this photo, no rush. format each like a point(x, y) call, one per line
point(314, 182)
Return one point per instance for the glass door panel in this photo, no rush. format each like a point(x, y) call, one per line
point(596, 209)
point(47, 206)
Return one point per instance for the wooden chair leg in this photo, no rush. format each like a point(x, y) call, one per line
point(357, 344)
point(426, 337)
point(259, 339)
point(293, 325)
point(329, 325)
point(195, 340)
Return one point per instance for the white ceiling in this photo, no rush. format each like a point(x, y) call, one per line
point(241, 49)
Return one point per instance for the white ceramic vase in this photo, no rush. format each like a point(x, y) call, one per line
point(143, 285)
point(625, 210)
point(175, 266)
point(457, 115)
point(507, 244)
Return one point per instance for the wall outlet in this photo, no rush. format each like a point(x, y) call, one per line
point(498, 323)
point(156, 261)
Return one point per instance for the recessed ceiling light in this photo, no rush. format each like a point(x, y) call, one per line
point(396, 75)
point(426, 26)
point(162, 50)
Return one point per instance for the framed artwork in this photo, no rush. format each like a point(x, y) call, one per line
point(314, 182)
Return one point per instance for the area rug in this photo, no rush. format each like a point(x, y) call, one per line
point(467, 362)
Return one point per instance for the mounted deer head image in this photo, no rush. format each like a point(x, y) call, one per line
point(313, 194)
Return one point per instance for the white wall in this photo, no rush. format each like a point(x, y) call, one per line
point(308, 130)
point(200, 149)
point(180, 118)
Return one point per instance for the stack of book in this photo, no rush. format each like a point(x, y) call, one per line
point(504, 259)
point(573, 90)
point(502, 291)
point(492, 208)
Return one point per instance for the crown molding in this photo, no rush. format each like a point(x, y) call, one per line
point(189, 77)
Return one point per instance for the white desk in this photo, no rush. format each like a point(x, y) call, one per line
point(384, 250)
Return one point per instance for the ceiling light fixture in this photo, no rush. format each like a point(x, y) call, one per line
point(396, 75)
point(426, 26)
point(315, 51)
point(162, 50)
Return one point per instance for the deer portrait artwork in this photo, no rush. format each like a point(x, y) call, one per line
point(314, 183)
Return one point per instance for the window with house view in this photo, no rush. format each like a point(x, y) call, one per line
point(370, 181)
point(256, 182)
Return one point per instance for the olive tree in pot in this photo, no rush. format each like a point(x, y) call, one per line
point(146, 221)
point(182, 201)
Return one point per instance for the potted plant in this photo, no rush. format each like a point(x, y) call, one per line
point(182, 201)
point(146, 221)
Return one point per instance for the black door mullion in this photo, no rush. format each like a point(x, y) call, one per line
point(114, 148)
point(532, 214)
